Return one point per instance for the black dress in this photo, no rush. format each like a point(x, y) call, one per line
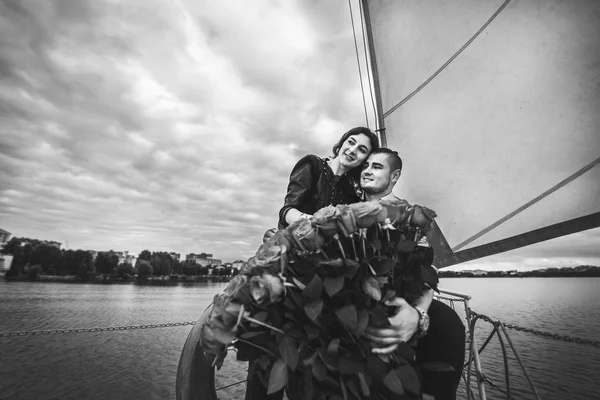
point(313, 185)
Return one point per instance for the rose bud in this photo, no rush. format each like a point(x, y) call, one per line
point(366, 213)
point(306, 235)
point(347, 219)
point(326, 220)
point(422, 217)
point(266, 288)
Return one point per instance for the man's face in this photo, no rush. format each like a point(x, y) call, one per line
point(376, 175)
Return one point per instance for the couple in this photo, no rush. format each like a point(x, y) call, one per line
point(360, 170)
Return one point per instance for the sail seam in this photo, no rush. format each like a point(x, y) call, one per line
point(432, 77)
point(530, 203)
point(362, 28)
point(358, 63)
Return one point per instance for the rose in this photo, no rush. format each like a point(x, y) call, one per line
point(366, 213)
point(306, 235)
point(347, 219)
point(398, 211)
point(266, 288)
point(422, 218)
point(326, 220)
point(267, 258)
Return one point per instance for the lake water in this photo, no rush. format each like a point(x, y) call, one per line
point(142, 364)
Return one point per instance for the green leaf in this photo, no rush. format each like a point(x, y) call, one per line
point(330, 361)
point(363, 322)
point(371, 287)
point(344, 390)
point(393, 382)
point(319, 370)
point(364, 385)
point(378, 317)
point(333, 285)
point(390, 294)
point(278, 377)
point(251, 334)
point(348, 316)
point(312, 331)
point(313, 290)
point(310, 360)
point(351, 268)
point(298, 283)
point(348, 366)
point(313, 309)
point(409, 378)
point(437, 366)
point(334, 347)
point(405, 246)
point(308, 383)
point(223, 336)
point(430, 277)
point(386, 266)
point(288, 350)
point(376, 368)
point(352, 388)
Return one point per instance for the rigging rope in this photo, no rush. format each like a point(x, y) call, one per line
point(358, 63)
point(362, 28)
point(529, 203)
point(432, 77)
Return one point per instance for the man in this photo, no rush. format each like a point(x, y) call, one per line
point(440, 330)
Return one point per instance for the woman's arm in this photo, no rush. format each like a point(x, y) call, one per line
point(300, 189)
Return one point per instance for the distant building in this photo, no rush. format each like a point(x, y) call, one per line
point(175, 256)
point(4, 236)
point(5, 263)
point(124, 256)
point(52, 243)
point(202, 259)
point(237, 264)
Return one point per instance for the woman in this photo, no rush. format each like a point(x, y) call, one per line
point(318, 182)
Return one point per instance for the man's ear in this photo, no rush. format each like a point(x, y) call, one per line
point(396, 175)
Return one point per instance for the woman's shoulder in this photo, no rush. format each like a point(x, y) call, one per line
point(312, 160)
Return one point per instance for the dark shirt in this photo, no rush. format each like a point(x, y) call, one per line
point(313, 186)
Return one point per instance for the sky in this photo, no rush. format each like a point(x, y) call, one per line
point(174, 125)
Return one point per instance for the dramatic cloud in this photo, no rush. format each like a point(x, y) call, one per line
point(169, 126)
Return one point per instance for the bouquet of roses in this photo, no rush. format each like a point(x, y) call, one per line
point(300, 306)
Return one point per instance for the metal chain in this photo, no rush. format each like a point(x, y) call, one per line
point(549, 335)
point(101, 329)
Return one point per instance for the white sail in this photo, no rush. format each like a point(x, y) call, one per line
point(514, 114)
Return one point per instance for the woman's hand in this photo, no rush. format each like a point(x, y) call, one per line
point(405, 324)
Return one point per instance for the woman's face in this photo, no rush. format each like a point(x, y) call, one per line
point(355, 150)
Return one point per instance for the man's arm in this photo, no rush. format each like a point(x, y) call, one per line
point(404, 324)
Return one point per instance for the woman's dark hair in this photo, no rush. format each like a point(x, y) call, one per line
point(357, 131)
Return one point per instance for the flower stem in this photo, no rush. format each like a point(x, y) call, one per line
point(257, 346)
point(257, 322)
point(337, 239)
point(354, 247)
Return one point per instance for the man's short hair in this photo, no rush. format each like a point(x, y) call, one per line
point(392, 157)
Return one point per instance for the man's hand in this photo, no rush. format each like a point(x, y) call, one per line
point(405, 324)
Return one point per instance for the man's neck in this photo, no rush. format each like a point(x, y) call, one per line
point(377, 196)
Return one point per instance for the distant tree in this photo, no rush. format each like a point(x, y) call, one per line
point(145, 255)
point(124, 270)
point(49, 257)
point(144, 270)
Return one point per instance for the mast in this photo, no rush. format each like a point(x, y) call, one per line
point(375, 75)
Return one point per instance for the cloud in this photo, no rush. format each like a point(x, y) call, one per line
point(169, 126)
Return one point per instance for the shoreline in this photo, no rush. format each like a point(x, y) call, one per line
point(100, 280)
